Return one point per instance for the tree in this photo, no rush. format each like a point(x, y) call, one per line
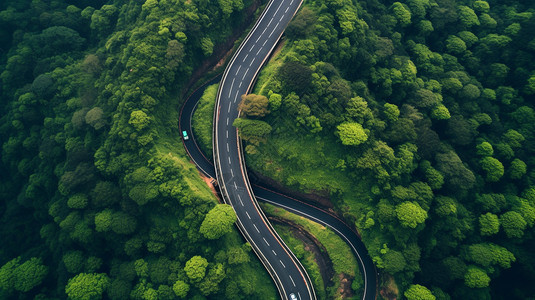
point(488, 255)
point(394, 262)
point(513, 224)
point(484, 149)
point(489, 224)
point(78, 201)
point(410, 214)
point(207, 46)
point(476, 278)
point(218, 221)
point(123, 223)
point(196, 268)
point(254, 105)
point(440, 112)
point(493, 168)
point(105, 194)
point(391, 112)
point(253, 131)
point(139, 120)
point(352, 134)
point(455, 173)
point(87, 286)
point(95, 118)
point(517, 169)
point(418, 292)
point(103, 220)
point(455, 45)
point(467, 16)
point(181, 289)
point(402, 14)
point(513, 138)
point(481, 6)
point(22, 277)
point(73, 261)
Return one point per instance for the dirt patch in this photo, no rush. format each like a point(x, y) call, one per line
point(311, 245)
point(345, 291)
point(390, 289)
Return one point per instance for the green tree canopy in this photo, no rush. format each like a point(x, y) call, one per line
point(87, 286)
point(352, 134)
point(218, 221)
point(196, 268)
point(493, 168)
point(476, 278)
point(253, 105)
point(489, 224)
point(181, 289)
point(410, 214)
point(418, 292)
point(513, 224)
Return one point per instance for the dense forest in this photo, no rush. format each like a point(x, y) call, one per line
point(416, 119)
point(98, 198)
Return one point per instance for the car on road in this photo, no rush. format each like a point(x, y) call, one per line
point(293, 297)
point(185, 135)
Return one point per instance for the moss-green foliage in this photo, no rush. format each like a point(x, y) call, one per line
point(202, 119)
point(93, 174)
point(218, 221)
point(441, 90)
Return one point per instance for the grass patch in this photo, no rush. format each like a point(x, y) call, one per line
point(339, 252)
point(306, 258)
point(202, 122)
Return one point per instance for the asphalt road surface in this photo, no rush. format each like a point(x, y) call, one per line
point(289, 275)
point(285, 269)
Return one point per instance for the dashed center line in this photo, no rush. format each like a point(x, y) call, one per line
point(239, 67)
point(248, 215)
point(232, 172)
point(235, 186)
point(256, 228)
point(231, 85)
point(266, 241)
point(292, 279)
point(258, 51)
point(274, 252)
point(239, 197)
point(228, 150)
point(229, 161)
point(282, 263)
point(246, 71)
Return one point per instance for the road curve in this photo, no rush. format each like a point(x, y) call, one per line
point(299, 207)
point(289, 275)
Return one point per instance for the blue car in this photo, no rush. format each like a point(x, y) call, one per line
point(185, 135)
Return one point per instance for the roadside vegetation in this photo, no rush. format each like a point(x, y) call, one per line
point(416, 120)
point(343, 260)
point(98, 198)
point(203, 119)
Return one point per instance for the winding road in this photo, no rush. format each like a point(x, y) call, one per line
point(287, 272)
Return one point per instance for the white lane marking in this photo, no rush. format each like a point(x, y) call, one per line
point(281, 18)
point(269, 22)
point(279, 8)
point(228, 150)
point(239, 87)
point(232, 172)
point(256, 228)
point(229, 105)
point(232, 85)
point(287, 8)
point(236, 97)
point(227, 121)
point(248, 215)
point(227, 134)
point(239, 67)
point(239, 197)
point(258, 51)
point(292, 279)
point(229, 163)
point(252, 61)
point(274, 252)
point(299, 294)
point(266, 241)
point(282, 263)
point(235, 186)
point(246, 71)
point(348, 241)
